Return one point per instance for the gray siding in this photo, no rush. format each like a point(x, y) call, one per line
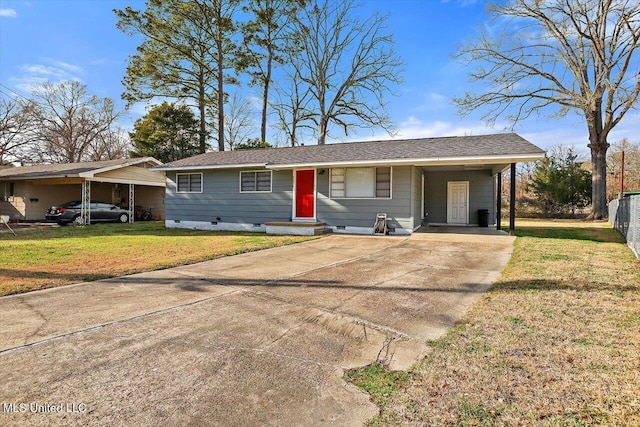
point(416, 194)
point(222, 201)
point(362, 212)
point(481, 194)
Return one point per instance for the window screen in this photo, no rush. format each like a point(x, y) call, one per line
point(259, 181)
point(383, 182)
point(189, 182)
point(361, 183)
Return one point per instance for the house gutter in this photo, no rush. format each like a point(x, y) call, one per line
point(439, 161)
point(204, 167)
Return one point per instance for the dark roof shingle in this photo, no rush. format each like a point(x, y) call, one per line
point(370, 151)
point(62, 169)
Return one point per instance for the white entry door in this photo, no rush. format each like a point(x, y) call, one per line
point(458, 202)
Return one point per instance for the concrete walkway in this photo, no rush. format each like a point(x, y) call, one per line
point(255, 339)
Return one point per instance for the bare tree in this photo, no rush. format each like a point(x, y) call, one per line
point(292, 106)
point(239, 122)
point(349, 65)
point(68, 122)
point(16, 128)
point(560, 56)
point(109, 145)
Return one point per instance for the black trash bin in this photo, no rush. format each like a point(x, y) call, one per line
point(483, 217)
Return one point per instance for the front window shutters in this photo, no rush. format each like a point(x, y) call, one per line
point(361, 183)
point(255, 181)
point(189, 182)
point(383, 182)
point(337, 183)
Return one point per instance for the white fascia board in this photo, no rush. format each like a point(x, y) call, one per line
point(439, 161)
point(125, 182)
point(205, 167)
point(133, 162)
point(34, 178)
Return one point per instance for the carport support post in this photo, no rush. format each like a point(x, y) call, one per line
point(512, 201)
point(132, 208)
point(85, 210)
point(499, 201)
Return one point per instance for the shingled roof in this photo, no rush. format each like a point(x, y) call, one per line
point(497, 148)
point(69, 170)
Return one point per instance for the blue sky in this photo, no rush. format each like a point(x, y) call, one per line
point(77, 39)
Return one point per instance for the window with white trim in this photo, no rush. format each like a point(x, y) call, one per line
point(361, 183)
point(255, 182)
point(189, 182)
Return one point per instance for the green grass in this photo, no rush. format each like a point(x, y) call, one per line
point(377, 380)
point(56, 256)
point(554, 342)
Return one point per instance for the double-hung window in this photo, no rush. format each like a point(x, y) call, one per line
point(255, 182)
point(189, 182)
point(361, 183)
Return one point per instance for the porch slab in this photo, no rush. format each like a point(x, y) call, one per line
point(297, 228)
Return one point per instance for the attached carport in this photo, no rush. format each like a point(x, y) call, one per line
point(26, 192)
point(483, 177)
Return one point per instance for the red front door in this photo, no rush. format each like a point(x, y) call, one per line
point(305, 193)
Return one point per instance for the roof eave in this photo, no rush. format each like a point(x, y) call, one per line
point(133, 162)
point(436, 161)
point(203, 167)
point(26, 177)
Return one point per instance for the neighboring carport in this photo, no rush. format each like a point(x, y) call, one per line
point(26, 192)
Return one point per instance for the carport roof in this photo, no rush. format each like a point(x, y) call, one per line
point(71, 170)
point(457, 150)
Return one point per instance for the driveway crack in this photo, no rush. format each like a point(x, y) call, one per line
point(31, 307)
point(354, 319)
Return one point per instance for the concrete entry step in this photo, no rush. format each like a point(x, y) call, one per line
point(297, 228)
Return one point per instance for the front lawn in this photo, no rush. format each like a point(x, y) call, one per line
point(56, 256)
point(555, 342)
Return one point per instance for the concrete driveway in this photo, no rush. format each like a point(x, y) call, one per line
point(260, 338)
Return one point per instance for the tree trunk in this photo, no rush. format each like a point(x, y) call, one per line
point(599, 180)
point(598, 145)
point(203, 118)
point(322, 131)
point(265, 99)
point(220, 61)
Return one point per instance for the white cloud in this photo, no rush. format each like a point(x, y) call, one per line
point(413, 127)
point(49, 70)
point(44, 70)
point(416, 128)
point(26, 83)
point(549, 137)
point(8, 13)
point(462, 3)
point(67, 67)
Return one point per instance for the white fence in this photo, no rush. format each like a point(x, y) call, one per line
point(624, 216)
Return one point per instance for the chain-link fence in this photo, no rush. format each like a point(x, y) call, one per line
point(624, 216)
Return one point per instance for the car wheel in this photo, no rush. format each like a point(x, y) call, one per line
point(78, 220)
point(123, 218)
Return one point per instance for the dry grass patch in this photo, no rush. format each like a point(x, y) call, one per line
point(554, 342)
point(45, 258)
